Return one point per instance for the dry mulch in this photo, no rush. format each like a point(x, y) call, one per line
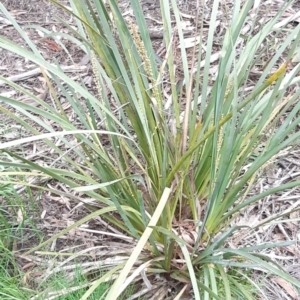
point(58, 212)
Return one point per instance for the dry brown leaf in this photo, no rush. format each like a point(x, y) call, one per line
point(293, 225)
point(73, 232)
point(29, 266)
point(52, 45)
point(278, 237)
point(36, 274)
point(293, 250)
point(20, 216)
point(294, 215)
point(43, 214)
point(25, 279)
point(4, 21)
point(15, 13)
point(248, 220)
point(287, 286)
point(187, 238)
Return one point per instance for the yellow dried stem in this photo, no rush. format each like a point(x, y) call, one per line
point(278, 73)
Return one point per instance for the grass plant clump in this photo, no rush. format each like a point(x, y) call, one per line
point(166, 151)
point(11, 286)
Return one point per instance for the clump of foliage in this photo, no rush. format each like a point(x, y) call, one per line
point(164, 157)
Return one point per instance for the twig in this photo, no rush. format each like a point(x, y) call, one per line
point(38, 71)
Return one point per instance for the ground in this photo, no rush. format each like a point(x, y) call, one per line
point(52, 213)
